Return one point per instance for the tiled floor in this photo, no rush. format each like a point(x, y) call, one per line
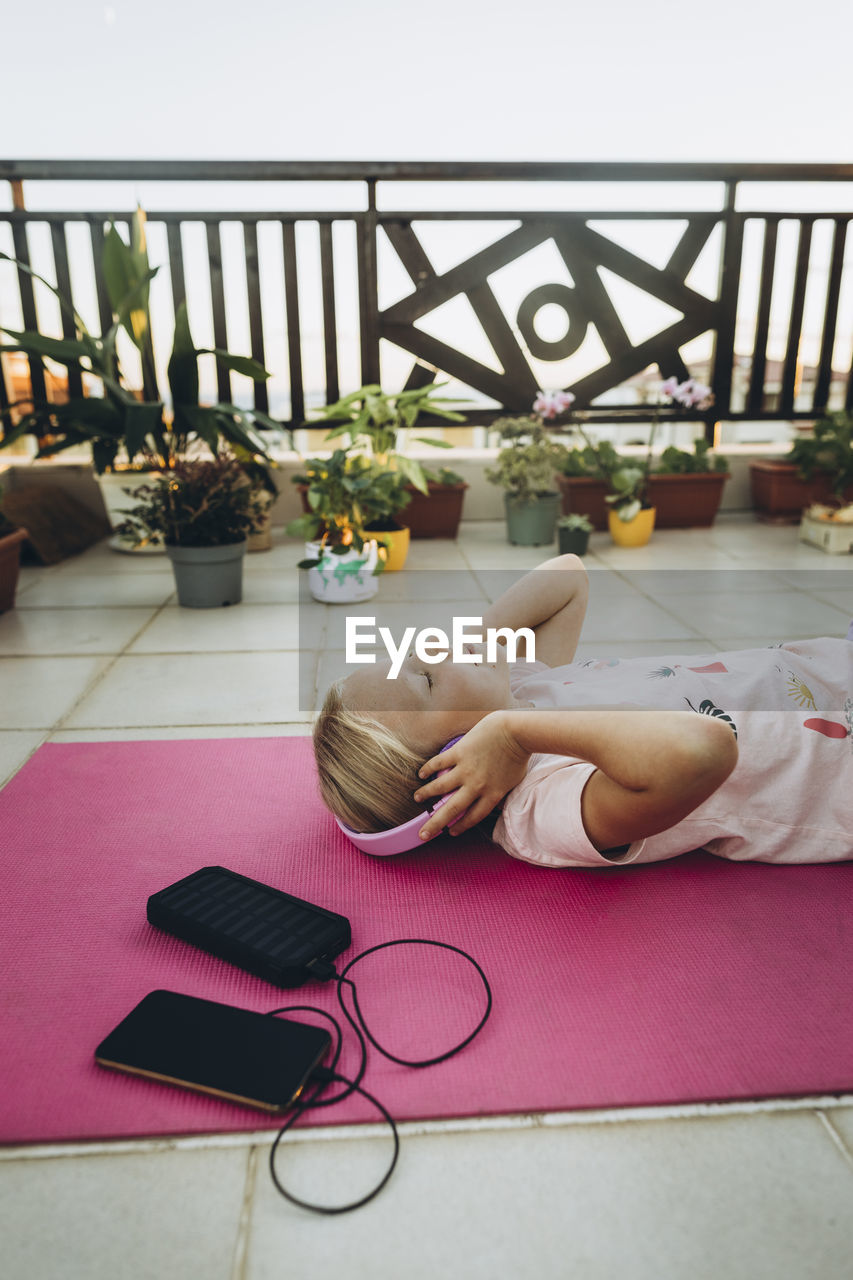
point(97, 648)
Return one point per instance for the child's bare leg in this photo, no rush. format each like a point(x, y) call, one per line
point(553, 604)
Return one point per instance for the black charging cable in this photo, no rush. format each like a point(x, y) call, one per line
point(322, 1077)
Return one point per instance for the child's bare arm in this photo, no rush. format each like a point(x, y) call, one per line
point(653, 767)
point(552, 601)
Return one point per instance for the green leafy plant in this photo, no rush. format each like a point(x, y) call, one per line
point(675, 461)
point(201, 502)
point(582, 523)
point(369, 418)
point(444, 476)
point(525, 467)
point(829, 449)
point(628, 481)
point(339, 497)
point(588, 460)
point(120, 427)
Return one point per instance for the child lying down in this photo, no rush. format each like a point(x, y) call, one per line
point(746, 754)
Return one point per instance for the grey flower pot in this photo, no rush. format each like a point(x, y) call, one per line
point(531, 524)
point(208, 577)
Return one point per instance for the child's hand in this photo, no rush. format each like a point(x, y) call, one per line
point(484, 766)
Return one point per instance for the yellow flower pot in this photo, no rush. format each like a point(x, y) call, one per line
point(632, 533)
point(397, 544)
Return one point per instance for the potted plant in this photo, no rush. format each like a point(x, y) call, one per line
point(686, 488)
point(129, 429)
point(818, 468)
point(573, 534)
point(378, 423)
point(11, 540)
point(525, 470)
point(204, 511)
point(264, 493)
point(581, 483)
point(631, 518)
point(436, 514)
point(343, 561)
point(830, 528)
point(382, 504)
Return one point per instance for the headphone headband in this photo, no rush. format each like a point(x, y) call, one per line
point(404, 837)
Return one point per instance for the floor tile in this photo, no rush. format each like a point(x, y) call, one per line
point(396, 616)
point(280, 587)
point(16, 747)
point(435, 553)
point(762, 1197)
point(240, 628)
point(27, 632)
point(201, 688)
point(165, 1215)
point(642, 649)
point(625, 618)
point(37, 692)
point(101, 559)
point(840, 1120)
point(787, 613)
point(695, 580)
point(132, 588)
point(455, 583)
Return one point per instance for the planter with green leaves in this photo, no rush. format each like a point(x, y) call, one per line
point(204, 511)
point(818, 468)
point(686, 488)
point(573, 534)
point(343, 562)
point(525, 470)
point(582, 485)
point(129, 429)
point(436, 514)
point(372, 421)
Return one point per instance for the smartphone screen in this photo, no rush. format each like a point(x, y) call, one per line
point(214, 1048)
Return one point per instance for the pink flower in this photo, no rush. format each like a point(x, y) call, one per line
point(691, 394)
point(549, 404)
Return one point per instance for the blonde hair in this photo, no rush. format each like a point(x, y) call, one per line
point(367, 773)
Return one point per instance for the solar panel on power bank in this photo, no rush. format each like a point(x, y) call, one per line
point(265, 931)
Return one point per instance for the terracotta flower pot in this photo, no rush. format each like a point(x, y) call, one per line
point(584, 496)
point(437, 514)
point(687, 501)
point(779, 495)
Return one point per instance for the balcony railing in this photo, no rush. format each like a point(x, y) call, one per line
point(768, 322)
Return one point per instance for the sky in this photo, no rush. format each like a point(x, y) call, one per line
point(732, 80)
point(447, 79)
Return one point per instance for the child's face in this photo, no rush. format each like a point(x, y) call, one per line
point(430, 702)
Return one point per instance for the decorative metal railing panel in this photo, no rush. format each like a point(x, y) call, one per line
point(750, 301)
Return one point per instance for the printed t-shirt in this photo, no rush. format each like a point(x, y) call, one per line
point(789, 797)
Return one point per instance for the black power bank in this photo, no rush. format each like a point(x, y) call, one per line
point(260, 929)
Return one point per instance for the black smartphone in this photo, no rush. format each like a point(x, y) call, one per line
point(245, 1057)
point(265, 931)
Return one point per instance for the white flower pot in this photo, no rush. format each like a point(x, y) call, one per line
point(345, 579)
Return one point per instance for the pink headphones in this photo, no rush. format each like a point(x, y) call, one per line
point(404, 837)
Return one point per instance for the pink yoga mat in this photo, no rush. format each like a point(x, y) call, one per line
point(693, 979)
